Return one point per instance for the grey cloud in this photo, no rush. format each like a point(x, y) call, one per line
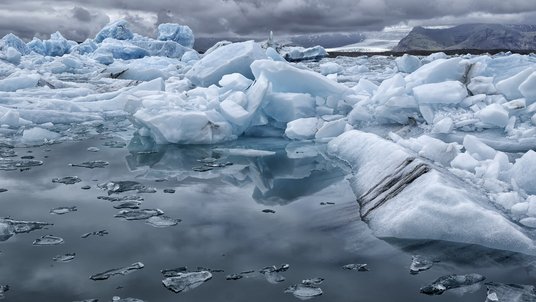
point(80, 18)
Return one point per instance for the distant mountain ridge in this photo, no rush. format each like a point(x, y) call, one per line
point(326, 40)
point(470, 36)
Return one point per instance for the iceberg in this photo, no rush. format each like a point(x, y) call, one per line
point(118, 30)
point(181, 34)
point(11, 40)
point(231, 58)
point(394, 188)
point(296, 54)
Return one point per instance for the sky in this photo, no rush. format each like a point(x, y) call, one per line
point(80, 19)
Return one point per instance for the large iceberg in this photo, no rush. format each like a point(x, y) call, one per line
point(118, 30)
point(404, 196)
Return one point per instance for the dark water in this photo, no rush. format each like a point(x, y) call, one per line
point(223, 227)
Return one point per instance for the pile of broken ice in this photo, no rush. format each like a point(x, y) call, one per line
point(466, 123)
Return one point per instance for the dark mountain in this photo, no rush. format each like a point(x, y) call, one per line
point(471, 36)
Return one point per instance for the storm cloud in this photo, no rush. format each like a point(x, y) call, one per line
point(80, 19)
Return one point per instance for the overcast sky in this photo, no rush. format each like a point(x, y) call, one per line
point(79, 19)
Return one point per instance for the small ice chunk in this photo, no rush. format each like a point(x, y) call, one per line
point(48, 240)
point(235, 81)
point(528, 87)
point(523, 172)
point(331, 129)
point(274, 55)
point(304, 291)
point(445, 125)
point(118, 271)
point(119, 299)
point(444, 283)
point(93, 149)
point(244, 274)
point(482, 85)
point(330, 68)
point(272, 273)
point(245, 152)
point(138, 214)
point(65, 257)
point(96, 233)
point(162, 221)
point(464, 161)
point(132, 204)
point(303, 128)
point(67, 180)
point(3, 290)
point(477, 149)
point(356, 267)
point(92, 164)
point(447, 93)
point(38, 135)
point(122, 198)
point(114, 187)
point(63, 210)
point(510, 87)
point(420, 263)
point(494, 115)
point(500, 292)
point(186, 281)
point(408, 63)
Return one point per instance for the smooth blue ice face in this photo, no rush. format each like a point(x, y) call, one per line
point(37, 46)
point(168, 49)
point(11, 40)
point(118, 30)
point(181, 34)
point(57, 46)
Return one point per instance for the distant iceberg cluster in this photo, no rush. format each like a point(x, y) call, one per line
point(469, 119)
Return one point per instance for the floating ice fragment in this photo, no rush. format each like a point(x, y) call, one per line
point(8, 164)
point(268, 211)
point(114, 187)
point(169, 191)
point(64, 258)
point(186, 281)
point(88, 300)
point(122, 198)
point(304, 291)
point(91, 164)
point(313, 281)
point(132, 204)
point(86, 187)
point(63, 210)
point(499, 292)
point(118, 299)
point(202, 169)
point(174, 271)
point(96, 233)
point(118, 271)
point(3, 290)
point(93, 149)
point(420, 263)
point(48, 240)
point(162, 221)
point(138, 214)
point(67, 180)
point(244, 274)
point(444, 283)
point(2, 190)
point(356, 267)
point(115, 144)
point(271, 273)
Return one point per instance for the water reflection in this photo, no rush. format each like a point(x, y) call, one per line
point(293, 170)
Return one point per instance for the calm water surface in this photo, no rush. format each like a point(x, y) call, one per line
point(223, 227)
